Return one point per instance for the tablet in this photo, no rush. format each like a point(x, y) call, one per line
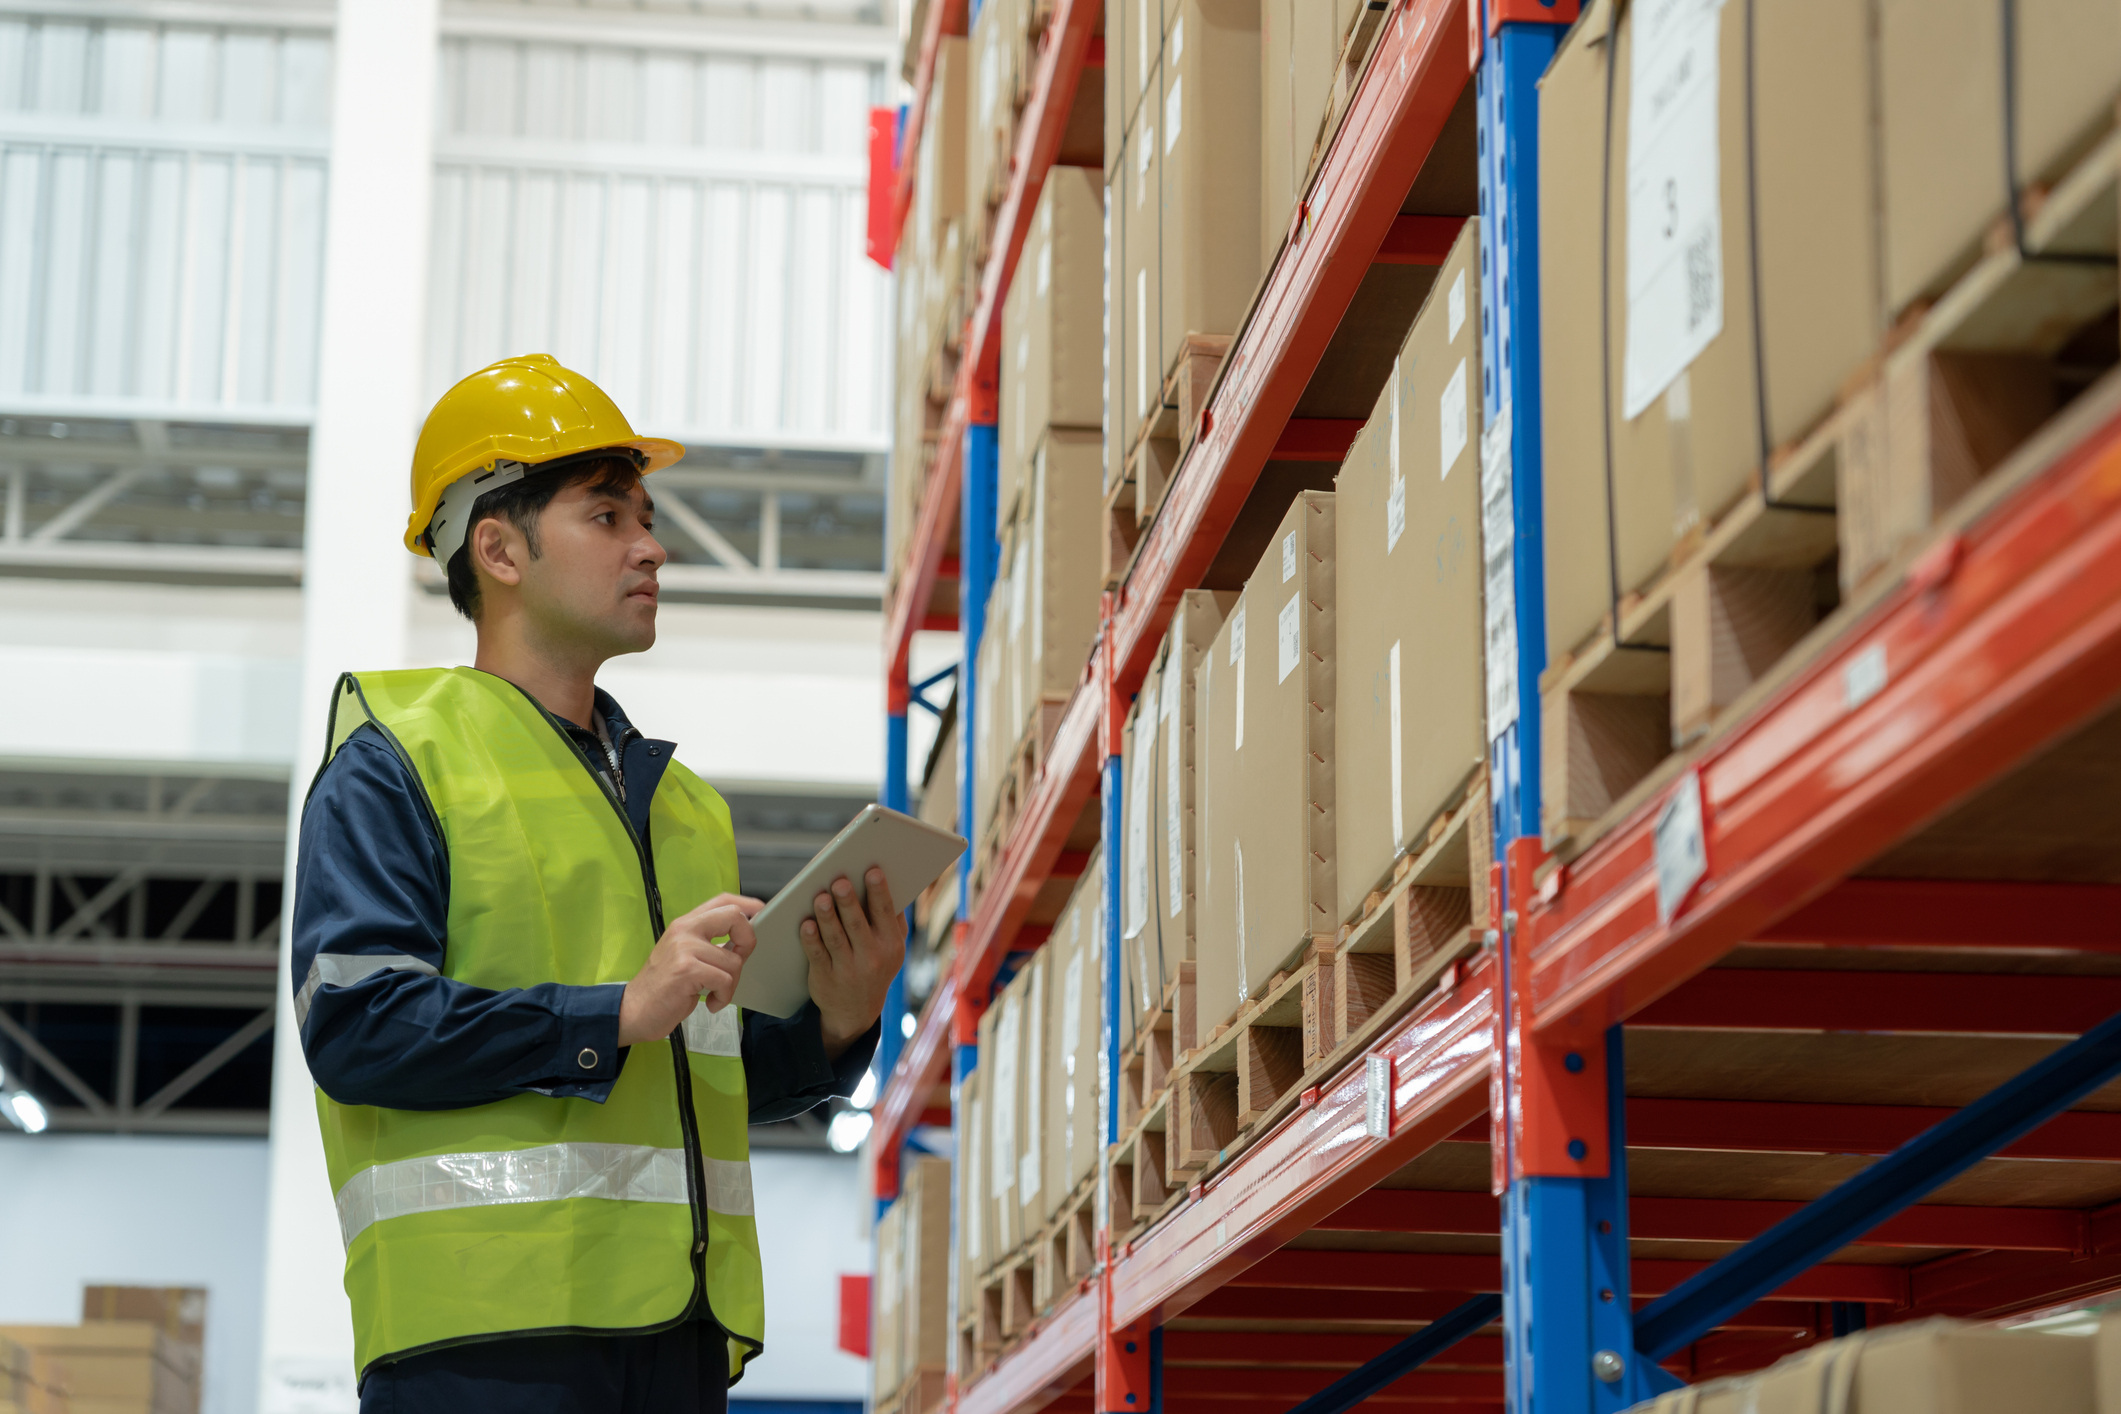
point(913, 855)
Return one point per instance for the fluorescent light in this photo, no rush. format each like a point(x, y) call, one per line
point(847, 1131)
point(907, 1025)
point(28, 1112)
point(865, 1091)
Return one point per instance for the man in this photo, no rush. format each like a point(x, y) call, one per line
point(517, 934)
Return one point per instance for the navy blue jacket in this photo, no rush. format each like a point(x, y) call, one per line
point(381, 1026)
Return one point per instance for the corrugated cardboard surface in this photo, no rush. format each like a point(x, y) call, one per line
point(1074, 1001)
point(991, 733)
point(1118, 108)
point(1926, 1367)
point(1053, 327)
point(1265, 811)
point(1684, 460)
point(117, 1366)
point(1413, 598)
point(924, 1242)
point(975, 1248)
point(1211, 169)
point(1057, 558)
point(1941, 75)
point(1299, 45)
point(1003, 1041)
point(1035, 1062)
point(886, 1289)
point(1138, 742)
point(1139, 307)
point(939, 188)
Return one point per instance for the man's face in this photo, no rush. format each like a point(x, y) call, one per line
point(593, 584)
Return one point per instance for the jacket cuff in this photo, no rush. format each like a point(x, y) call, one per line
point(847, 1070)
point(589, 1057)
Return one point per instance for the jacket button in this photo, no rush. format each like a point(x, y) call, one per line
point(655, 751)
point(587, 1060)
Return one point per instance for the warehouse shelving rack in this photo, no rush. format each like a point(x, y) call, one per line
point(1739, 904)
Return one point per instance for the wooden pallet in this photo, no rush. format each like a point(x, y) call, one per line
point(919, 1393)
point(1964, 384)
point(1162, 1036)
point(1141, 1189)
point(1158, 444)
point(1066, 1250)
point(1222, 1089)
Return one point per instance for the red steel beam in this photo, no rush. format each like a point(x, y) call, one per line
point(1418, 68)
point(1045, 1366)
point(1986, 1285)
point(1729, 1220)
point(1932, 1003)
point(904, 1101)
point(1953, 914)
point(1185, 1347)
point(1287, 1386)
point(1465, 1271)
point(1323, 1154)
point(2000, 640)
point(1287, 1309)
point(1420, 240)
point(1759, 1126)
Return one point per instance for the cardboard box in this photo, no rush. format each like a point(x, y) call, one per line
point(1034, 1195)
point(1141, 40)
point(991, 113)
point(1923, 1367)
point(1054, 584)
point(1053, 325)
point(1697, 444)
point(1160, 907)
point(113, 1366)
point(1265, 807)
point(1299, 45)
point(924, 1265)
point(1118, 108)
point(886, 1288)
point(1139, 308)
point(1001, 1056)
point(939, 189)
point(974, 1248)
point(1114, 419)
point(1408, 655)
point(993, 733)
point(1075, 1002)
point(1940, 69)
point(1209, 117)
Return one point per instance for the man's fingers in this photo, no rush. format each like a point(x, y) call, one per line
point(825, 913)
point(848, 904)
point(742, 938)
point(883, 914)
point(813, 945)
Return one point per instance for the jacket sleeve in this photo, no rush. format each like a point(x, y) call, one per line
point(379, 1023)
point(786, 1070)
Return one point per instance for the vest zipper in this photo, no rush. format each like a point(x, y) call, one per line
point(695, 1173)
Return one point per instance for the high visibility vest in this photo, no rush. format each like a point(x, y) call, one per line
point(536, 1214)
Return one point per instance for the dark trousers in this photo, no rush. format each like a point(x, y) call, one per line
point(683, 1370)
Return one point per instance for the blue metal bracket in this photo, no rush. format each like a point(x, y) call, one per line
point(1416, 1350)
point(1945, 1150)
point(979, 555)
point(917, 694)
point(1115, 969)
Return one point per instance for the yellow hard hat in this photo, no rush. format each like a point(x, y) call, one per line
point(527, 409)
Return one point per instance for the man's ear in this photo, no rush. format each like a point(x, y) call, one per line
point(498, 550)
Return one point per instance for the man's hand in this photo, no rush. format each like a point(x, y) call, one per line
point(854, 954)
point(688, 964)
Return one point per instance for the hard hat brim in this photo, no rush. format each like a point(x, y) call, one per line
point(656, 453)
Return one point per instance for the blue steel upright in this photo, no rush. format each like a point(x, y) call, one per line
point(1567, 1318)
point(979, 556)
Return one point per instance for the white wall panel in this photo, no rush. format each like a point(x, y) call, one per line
point(161, 203)
point(685, 227)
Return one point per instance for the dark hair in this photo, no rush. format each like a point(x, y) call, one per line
point(522, 502)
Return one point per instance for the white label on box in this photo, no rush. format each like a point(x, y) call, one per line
point(1377, 1096)
point(1045, 266)
point(1141, 344)
point(1038, 556)
point(1002, 1140)
point(1289, 636)
point(1288, 557)
point(1174, 111)
point(1029, 1165)
point(1139, 806)
point(1174, 821)
point(1178, 38)
point(1399, 825)
point(1498, 541)
point(1681, 849)
point(1243, 991)
point(1072, 1011)
point(1395, 514)
point(1019, 587)
point(1452, 418)
point(1023, 361)
point(1457, 307)
point(1864, 677)
point(1141, 46)
point(1167, 692)
point(1237, 670)
point(1675, 226)
point(969, 1227)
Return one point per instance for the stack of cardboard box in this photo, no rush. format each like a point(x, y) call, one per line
point(910, 1318)
point(138, 1350)
point(32, 1381)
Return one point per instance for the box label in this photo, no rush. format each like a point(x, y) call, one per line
point(1244, 993)
point(1072, 1014)
point(1174, 111)
point(1002, 1141)
point(1457, 312)
point(1289, 640)
point(1139, 808)
point(1681, 848)
point(1237, 669)
point(1029, 1165)
point(1675, 225)
point(1396, 495)
point(1288, 557)
point(1045, 263)
point(1399, 823)
point(1498, 554)
point(1174, 819)
point(1452, 418)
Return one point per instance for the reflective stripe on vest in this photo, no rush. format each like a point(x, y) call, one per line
point(632, 1173)
point(714, 1033)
